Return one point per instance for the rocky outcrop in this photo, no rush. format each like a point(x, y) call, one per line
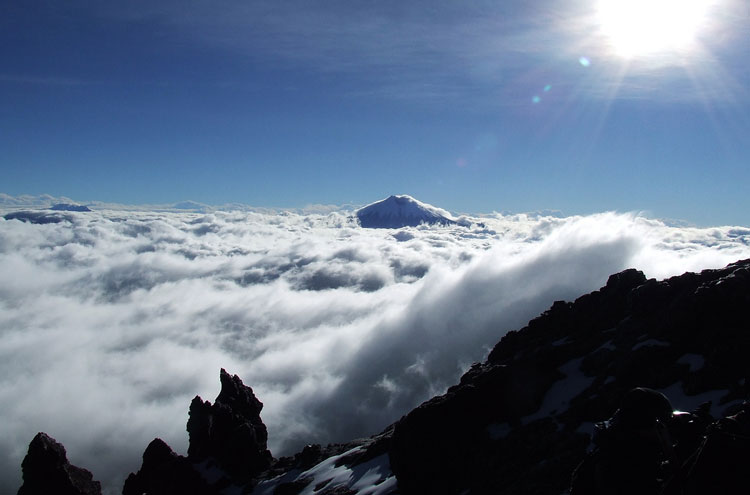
point(227, 447)
point(230, 431)
point(46, 470)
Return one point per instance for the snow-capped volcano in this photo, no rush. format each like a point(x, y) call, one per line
point(401, 211)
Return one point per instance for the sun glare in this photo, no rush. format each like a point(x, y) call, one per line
point(643, 27)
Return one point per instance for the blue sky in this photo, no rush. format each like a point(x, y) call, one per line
point(471, 106)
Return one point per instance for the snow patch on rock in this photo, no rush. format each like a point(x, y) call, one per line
point(373, 477)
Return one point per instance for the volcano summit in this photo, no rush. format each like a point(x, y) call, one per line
point(401, 211)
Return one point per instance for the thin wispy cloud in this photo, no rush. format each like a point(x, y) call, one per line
point(45, 80)
point(449, 50)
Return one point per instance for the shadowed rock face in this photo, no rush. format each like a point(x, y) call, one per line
point(46, 470)
point(230, 431)
point(517, 423)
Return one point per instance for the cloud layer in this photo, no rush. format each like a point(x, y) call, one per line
point(111, 321)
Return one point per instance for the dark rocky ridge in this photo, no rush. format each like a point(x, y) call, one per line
point(69, 207)
point(39, 217)
point(499, 430)
point(50, 215)
point(482, 435)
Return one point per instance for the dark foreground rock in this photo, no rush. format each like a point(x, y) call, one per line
point(230, 431)
point(46, 470)
point(521, 421)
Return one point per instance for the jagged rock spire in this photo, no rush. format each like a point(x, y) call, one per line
point(230, 431)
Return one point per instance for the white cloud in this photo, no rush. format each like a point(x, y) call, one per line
point(111, 323)
point(26, 200)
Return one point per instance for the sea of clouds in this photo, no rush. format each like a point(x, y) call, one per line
point(111, 321)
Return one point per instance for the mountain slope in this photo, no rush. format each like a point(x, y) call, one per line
point(401, 211)
point(521, 421)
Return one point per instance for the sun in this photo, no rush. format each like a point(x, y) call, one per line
point(636, 28)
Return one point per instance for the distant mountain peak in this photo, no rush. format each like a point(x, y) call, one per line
point(69, 207)
point(401, 210)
